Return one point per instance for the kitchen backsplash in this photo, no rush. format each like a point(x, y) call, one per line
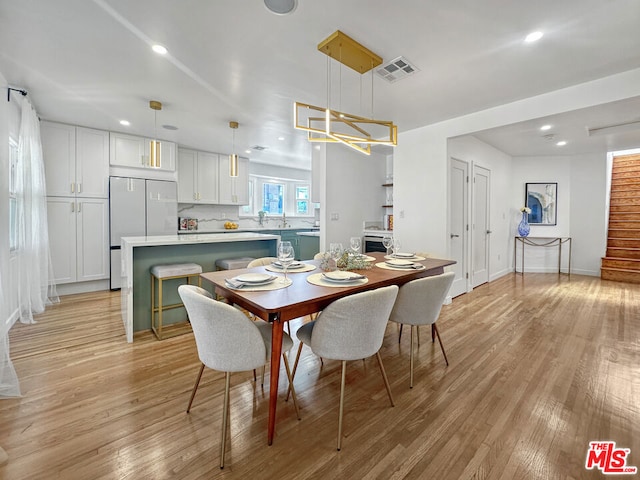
point(213, 217)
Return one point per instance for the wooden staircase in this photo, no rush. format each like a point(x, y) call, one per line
point(622, 262)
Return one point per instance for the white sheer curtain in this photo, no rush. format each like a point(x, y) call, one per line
point(9, 386)
point(34, 261)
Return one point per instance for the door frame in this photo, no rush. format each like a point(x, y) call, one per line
point(466, 204)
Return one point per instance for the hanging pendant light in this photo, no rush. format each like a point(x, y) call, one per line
point(154, 147)
point(233, 158)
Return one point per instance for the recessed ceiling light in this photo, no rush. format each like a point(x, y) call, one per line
point(281, 7)
point(317, 147)
point(561, 143)
point(281, 138)
point(545, 127)
point(247, 151)
point(126, 123)
point(533, 37)
point(159, 49)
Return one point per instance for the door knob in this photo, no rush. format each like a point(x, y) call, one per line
point(453, 235)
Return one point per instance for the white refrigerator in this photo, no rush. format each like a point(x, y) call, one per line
point(139, 207)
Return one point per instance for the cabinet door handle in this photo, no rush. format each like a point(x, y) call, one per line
point(79, 207)
point(453, 235)
point(79, 188)
point(73, 207)
point(73, 188)
point(142, 161)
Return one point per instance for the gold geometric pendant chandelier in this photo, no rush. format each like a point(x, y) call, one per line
point(324, 124)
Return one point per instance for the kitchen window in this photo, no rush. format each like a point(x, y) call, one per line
point(276, 196)
point(273, 198)
point(302, 200)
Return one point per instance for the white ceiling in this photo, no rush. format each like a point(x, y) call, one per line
point(89, 62)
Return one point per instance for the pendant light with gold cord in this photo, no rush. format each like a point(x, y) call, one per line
point(233, 158)
point(155, 147)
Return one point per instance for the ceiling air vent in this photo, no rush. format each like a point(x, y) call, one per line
point(258, 148)
point(396, 69)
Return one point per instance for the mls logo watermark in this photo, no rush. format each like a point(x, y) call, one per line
point(608, 459)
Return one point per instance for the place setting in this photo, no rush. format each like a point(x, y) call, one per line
point(337, 278)
point(254, 282)
point(294, 267)
point(398, 260)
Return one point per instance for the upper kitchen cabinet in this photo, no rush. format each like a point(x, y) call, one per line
point(76, 160)
point(197, 176)
point(233, 190)
point(132, 151)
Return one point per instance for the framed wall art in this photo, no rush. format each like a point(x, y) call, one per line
point(542, 199)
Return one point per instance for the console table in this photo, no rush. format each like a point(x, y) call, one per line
point(541, 242)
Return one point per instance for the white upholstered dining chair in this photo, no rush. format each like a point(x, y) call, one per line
point(351, 328)
point(228, 341)
point(261, 262)
point(419, 303)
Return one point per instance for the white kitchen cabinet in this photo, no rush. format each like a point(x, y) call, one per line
point(78, 238)
point(197, 177)
point(133, 151)
point(233, 190)
point(76, 160)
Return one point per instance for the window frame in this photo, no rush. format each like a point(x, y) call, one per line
point(289, 203)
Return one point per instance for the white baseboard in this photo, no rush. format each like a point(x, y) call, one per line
point(82, 287)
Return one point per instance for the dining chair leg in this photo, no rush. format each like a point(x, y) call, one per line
point(293, 373)
point(384, 378)
point(195, 387)
point(342, 382)
point(400, 334)
point(262, 377)
point(411, 360)
point(291, 387)
point(225, 416)
point(441, 346)
point(418, 333)
point(433, 332)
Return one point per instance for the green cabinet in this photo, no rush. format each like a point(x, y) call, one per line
point(308, 246)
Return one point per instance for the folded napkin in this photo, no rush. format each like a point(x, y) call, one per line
point(234, 283)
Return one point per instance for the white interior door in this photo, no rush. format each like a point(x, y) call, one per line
point(480, 226)
point(458, 224)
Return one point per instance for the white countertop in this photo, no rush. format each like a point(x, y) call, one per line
point(158, 240)
point(309, 234)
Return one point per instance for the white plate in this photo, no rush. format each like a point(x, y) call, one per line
point(341, 276)
point(254, 277)
point(404, 255)
point(396, 262)
point(293, 265)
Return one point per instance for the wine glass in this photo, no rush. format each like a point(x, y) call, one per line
point(355, 243)
point(285, 256)
point(335, 252)
point(387, 241)
point(396, 246)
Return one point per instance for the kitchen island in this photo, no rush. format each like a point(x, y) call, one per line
point(139, 254)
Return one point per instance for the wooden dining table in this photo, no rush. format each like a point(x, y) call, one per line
point(303, 298)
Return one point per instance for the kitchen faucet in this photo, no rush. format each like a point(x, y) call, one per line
point(284, 221)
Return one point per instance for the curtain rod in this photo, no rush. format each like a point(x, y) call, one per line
point(19, 90)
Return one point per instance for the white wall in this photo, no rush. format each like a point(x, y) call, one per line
point(550, 169)
point(353, 190)
point(588, 212)
point(421, 157)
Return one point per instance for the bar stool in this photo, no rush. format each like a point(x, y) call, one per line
point(161, 273)
point(233, 263)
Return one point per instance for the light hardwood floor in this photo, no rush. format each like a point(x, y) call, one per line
point(540, 365)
